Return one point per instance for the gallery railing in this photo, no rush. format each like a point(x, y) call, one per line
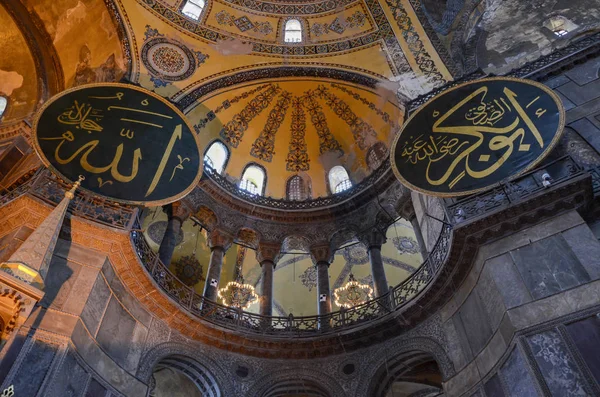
point(47, 187)
point(505, 194)
point(292, 326)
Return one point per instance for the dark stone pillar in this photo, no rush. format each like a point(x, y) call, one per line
point(219, 242)
point(322, 256)
point(374, 240)
point(419, 235)
point(177, 213)
point(267, 255)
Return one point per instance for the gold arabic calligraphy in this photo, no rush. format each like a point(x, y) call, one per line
point(459, 142)
point(85, 117)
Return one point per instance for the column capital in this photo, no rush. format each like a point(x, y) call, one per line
point(181, 210)
point(373, 238)
point(268, 251)
point(321, 253)
point(219, 238)
point(406, 210)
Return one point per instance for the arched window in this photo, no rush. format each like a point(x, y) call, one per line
point(292, 31)
point(216, 156)
point(3, 103)
point(193, 8)
point(295, 189)
point(376, 154)
point(339, 179)
point(253, 179)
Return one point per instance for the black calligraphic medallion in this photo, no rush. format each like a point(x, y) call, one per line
point(130, 144)
point(476, 135)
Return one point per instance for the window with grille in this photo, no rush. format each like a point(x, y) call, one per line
point(253, 180)
point(296, 189)
point(216, 156)
point(376, 154)
point(293, 31)
point(193, 8)
point(339, 179)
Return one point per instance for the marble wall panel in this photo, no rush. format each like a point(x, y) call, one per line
point(518, 380)
point(95, 305)
point(586, 336)
point(34, 367)
point(116, 331)
point(493, 387)
point(557, 366)
point(475, 322)
point(70, 379)
point(510, 283)
point(95, 389)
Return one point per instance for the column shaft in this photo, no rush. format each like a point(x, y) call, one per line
point(266, 298)
point(323, 288)
point(380, 283)
point(214, 272)
point(419, 235)
point(169, 240)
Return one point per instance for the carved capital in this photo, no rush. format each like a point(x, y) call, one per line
point(219, 238)
point(406, 210)
point(268, 251)
point(321, 253)
point(373, 238)
point(180, 210)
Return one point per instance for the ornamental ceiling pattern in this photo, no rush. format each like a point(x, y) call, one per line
point(294, 125)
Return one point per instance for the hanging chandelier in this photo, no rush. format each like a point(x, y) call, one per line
point(237, 294)
point(352, 293)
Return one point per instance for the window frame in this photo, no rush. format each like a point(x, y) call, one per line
point(329, 181)
point(185, 2)
point(5, 111)
point(304, 194)
point(264, 171)
point(303, 31)
point(227, 156)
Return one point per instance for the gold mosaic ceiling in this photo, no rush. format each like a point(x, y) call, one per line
point(338, 85)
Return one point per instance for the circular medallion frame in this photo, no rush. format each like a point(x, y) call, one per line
point(149, 203)
point(555, 139)
point(153, 45)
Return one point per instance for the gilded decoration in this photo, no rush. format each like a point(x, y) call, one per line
point(168, 60)
point(339, 25)
point(243, 23)
point(189, 270)
point(233, 131)
point(264, 146)
point(297, 158)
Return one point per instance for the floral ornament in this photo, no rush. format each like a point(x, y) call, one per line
point(356, 254)
point(353, 293)
point(10, 392)
point(309, 278)
point(189, 270)
point(405, 245)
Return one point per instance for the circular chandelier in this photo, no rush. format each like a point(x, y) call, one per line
point(237, 294)
point(352, 293)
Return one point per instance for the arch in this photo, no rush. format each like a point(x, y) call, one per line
point(296, 188)
point(254, 179)
point(392, 355)
point(247, 237)
point(216, 156)
point(296, 381)
point(3, 105)
point(201, 369)
point(295, 243)
point(339, 180)
point(193, 8)
point(293, 31)
point(342, 237)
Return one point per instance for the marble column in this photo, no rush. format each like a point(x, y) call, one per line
point(374, 239)
point(267, 255)
point(177, 213)
point(419, 235)
point(218, 242)
point(322, 256)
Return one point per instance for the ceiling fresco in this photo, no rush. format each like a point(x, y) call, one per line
point(299, 126)
point(295, 275)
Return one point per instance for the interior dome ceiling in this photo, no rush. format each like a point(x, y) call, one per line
point(299, 126)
